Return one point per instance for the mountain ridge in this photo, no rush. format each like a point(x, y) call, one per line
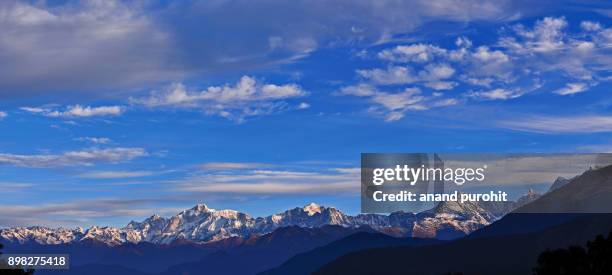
point(447, 220)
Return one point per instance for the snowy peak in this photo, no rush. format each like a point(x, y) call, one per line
point(201, 208)
point(312, 208)
point(41, 234)
point(466, 210)
point(108, 235)
point(311, 215)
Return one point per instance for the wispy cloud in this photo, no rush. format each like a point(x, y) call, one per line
point(546, 35)
point(95, 140)
point(432, 76)
point(3, 115)
point(303, 105)
point(572, 88)
point(86, 111)
point(34, 110)
point(274, 182)
point(76, 111)
point(79, 212)
point(236, 102)
point(234, 165)
point(73, 158)
point(394, 105)
point(547, 124)
point(274, 188)
point(7, 187)
point(497, 94)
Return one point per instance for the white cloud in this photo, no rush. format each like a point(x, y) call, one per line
point(441, 85)
point(393, 106)
point(485, 82)
point(73, 158)
point(437, 71)
point(246, 98)
point(572, 88)
point(550, 46)
point(575, 124)
point(590, 26)
point(95, 140)
point(407, 99)
point(34, 109)
point(547, 35)
point(418, 53)
point(396, 75)
point(496, 94)
point(483, 54)
point(3, 115)
point(389, 76)
point(445, 102)
point(584, 46)
point(303, 105)
point(463, 42)
point(87, 111)
point(75, 111)
point(508, 69)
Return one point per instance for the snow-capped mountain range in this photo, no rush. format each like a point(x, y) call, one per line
point(203, 224)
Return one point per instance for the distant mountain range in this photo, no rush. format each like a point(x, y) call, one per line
point(323, 240)
point(448, 220)
point(234, 255)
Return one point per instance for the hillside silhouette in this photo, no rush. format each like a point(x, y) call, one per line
point(308, 262)
point(506, 254)
point(596, 259)
point(566, 217)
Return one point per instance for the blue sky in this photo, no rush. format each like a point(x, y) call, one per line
point(112, 111)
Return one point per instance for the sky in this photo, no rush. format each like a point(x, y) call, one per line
point(112, 111)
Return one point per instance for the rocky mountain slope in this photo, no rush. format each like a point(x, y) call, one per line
point(588, 193)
